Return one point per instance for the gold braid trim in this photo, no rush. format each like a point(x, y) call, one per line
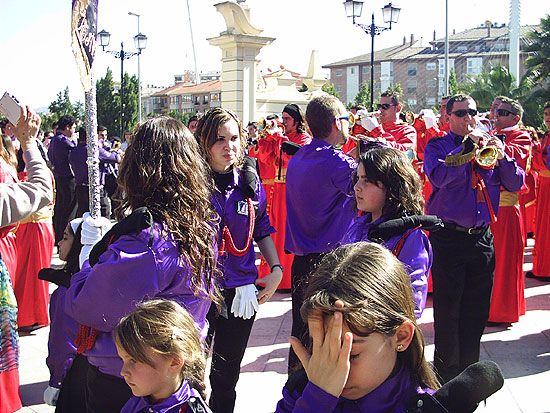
point(461, 158)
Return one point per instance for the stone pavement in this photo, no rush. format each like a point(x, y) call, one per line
point(522, 350)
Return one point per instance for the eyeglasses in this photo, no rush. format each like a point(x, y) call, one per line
point(385, 106)
point(504, 112)
point(463, 112)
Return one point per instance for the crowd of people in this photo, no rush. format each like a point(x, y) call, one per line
point(359, 214)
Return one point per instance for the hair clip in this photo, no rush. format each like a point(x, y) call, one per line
point(176, 333)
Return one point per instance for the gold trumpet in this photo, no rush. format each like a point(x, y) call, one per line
point(485, 156)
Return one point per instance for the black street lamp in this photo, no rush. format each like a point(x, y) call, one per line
point(140, 41)
point(390, 14)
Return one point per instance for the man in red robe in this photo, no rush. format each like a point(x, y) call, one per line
point(295, 132)
point(399, 135)
point(508, 299)
point(541, 252)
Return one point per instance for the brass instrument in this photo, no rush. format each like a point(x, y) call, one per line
point(485, 156)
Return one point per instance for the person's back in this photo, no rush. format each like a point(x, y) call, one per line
point(58, 153)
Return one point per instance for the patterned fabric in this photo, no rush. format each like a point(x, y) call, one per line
point(9, 347)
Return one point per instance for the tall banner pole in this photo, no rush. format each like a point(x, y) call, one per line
point(84, 43)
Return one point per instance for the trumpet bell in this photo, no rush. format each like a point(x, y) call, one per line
point(487, 156)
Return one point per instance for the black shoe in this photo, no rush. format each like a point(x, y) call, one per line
point(530, 274)
point(530, 235)
point(493, 324)
point(29, 329)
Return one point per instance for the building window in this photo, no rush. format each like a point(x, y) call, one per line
point(411, 86)
point(411, 102)
point(366, 70)
point(206, 99)
point(430, 66)
point(499, 47)
point(431, 83)
point(474, 65)
point(462, 49)
point(338, 72)
point(430, 101)
point(411, 69)
point(352, 70)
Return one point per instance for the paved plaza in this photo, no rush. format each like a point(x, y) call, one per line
point(522, 350)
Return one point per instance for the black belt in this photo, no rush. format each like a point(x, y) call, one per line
point(470, 231)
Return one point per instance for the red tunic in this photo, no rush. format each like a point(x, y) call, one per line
point(400, 136)
point(277, 208)
point(541, 252)
point(508, 299)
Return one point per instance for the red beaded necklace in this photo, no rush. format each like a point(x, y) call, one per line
point(227, 238)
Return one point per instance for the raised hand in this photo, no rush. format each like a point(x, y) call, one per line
point(328, 365)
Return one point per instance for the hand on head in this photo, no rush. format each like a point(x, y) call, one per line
point(328, 365)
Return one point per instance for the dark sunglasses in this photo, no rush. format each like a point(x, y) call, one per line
point(504, 112)
point(385, 106)
point(463, 112)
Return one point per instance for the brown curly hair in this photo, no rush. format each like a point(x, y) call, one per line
point(163, 170)
point(394, 170)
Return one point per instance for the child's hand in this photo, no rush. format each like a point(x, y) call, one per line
point(328, 366)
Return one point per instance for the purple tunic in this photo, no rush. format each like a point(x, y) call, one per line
point(61, 347)
point(391, 396)
point(238, 271)
point(172, 404)
point(416, 254)
point(58, 154)
point(453, 199)
point(128, 273)
point(319, 198)
point(78, 157)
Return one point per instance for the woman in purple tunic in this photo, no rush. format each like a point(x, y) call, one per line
point(387, 187)
point(240, 201)
point(367, 352)
point(163, 177)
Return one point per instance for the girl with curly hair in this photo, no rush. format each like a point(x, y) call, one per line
point(164, 248)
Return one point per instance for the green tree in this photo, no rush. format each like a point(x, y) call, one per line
point(453, 83)
point(330, 89)
point(107, 110)
point(395, 88)
point(62, 105)
point(182, 117)
point(363, 96)
point(538, 63)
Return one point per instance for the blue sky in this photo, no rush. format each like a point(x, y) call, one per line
point(37, 60)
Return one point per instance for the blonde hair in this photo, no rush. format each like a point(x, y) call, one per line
point(167, 329)
point(377, 296)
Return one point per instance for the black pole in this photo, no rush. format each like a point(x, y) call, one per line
point(121, 89)
point(372, 34)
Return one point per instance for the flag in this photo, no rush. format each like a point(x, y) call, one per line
point(84, 37)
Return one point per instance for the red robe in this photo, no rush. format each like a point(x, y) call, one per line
point(8, 249)
point(277, 208)
point(35, 241)
point(508, 298)
point(400, 135)
point(541, 252)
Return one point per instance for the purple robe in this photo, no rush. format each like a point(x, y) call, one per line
point(172, 404)
point(58, 154)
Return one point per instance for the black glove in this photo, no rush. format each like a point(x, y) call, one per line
point(250, 177)
point(290, 148)
point(138, 220)
point(59, 277)
point(385, 230)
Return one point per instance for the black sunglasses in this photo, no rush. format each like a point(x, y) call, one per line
point(460, 113)
point(385, 106)
point(504, 112)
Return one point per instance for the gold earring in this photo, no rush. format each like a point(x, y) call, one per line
point(400, 347)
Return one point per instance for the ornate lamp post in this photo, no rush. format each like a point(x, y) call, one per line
point(140, 42)
point(390, 14)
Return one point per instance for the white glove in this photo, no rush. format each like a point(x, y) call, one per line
point(361, 114)
point(370, 123)
point(50, 395)
point(245, 303)
point(429, 118)
point(93, 229)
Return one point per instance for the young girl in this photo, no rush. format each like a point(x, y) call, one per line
point(240, 201)
point(388, 187)
point(162, 175)
point(163, 358)
point(68, 369)
point(367, 353)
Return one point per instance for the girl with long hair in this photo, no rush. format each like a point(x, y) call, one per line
point(240, 201)
point(164, 248)
point(387, 187)
point(163, 358)
point(367, 352)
